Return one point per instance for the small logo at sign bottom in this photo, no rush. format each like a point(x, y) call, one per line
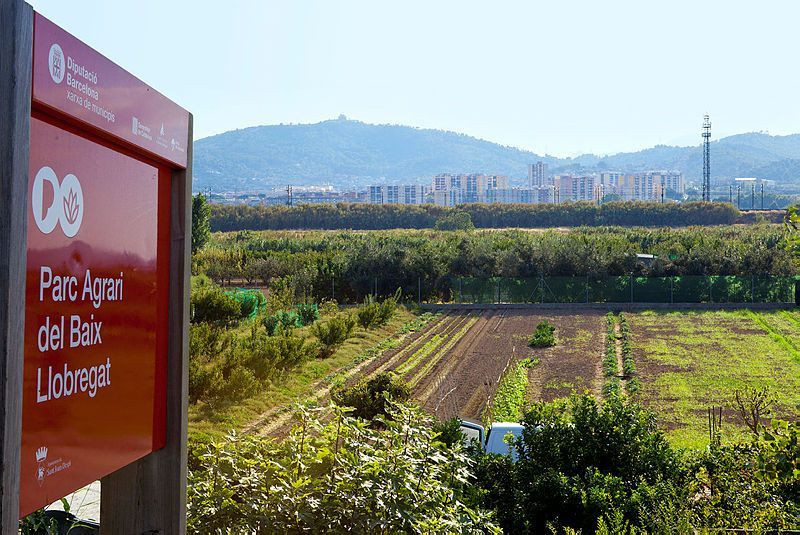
point(41, 457)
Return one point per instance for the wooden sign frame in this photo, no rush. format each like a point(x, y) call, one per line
point(148, 495)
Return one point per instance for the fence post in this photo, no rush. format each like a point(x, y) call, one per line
point(460, 292)
point(631, 287)
point(541, 281)
point(498, 291)
point(710, 290)
point(671, 291)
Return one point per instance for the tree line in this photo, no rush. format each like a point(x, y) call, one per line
point(363, 216)
point(350, 265)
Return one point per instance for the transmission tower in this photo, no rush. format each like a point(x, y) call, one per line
point(289, 196)
point(706, 158)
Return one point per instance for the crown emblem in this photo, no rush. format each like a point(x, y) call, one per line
point(41, 454)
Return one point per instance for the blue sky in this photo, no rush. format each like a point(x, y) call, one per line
point(561, 77)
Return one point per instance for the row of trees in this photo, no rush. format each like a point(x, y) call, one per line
point(349, 265)
point(362, 216)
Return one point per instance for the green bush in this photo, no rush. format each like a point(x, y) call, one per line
point(329, 307)
point(308, 313)
point(211, 305)
point(449, 432)
point(267, 356)
point(271, 324)
point(334, 475)
point(368, 313)
point(376, 313)
point(224, 368)
point(281, 321)
point(371, 398)
point(580, 462)
point(543, 336)
point(333, 333)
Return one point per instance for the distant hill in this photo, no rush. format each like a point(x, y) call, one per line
point(346, 153)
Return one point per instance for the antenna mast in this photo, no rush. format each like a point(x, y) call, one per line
point(706, 158)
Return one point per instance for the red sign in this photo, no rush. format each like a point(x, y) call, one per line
point(76, 80)
point(95, 339)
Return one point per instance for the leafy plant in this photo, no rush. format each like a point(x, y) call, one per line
point(212, 305)
point(308, 313)
point(543, 336)
point(333, 333)
point(371, 398)
point(335, 475)
point(580, 461)
point(376, 313)
point(201, 222)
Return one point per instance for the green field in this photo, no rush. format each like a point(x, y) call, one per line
point(689, 361)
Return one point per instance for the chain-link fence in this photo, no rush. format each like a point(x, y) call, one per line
point(557, 289)
point(626, 289)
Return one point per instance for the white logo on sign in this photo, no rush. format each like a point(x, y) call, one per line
point(67, 207)
point(41, 457)
point(56, 63)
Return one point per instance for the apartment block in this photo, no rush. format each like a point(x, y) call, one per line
point(577, 188)
point(537, 175)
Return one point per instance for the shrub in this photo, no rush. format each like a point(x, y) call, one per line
point(271, 324)
point(308, 313)
point(333, 333)
point(579, 462)
point(223, 368)
point(211, 305)
point(329, 307)
point(281, 321)
point(374, 313)
point(543, 336)
point(266, 356)
point(347, 478)
point(250, 301)
point(449, 432)
point(368, 313)
point(370, 398)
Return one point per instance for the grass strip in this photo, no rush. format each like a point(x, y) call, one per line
point(509, 399)
point(610, 369)
point(784, 341)
point(632, 383)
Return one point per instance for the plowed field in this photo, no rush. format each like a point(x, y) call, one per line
point(455, 365)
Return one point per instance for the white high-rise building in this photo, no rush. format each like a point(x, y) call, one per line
point(537, 175)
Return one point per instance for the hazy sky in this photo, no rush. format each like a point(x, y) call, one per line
point(562, 77)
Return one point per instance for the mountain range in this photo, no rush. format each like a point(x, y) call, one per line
point(351, 154)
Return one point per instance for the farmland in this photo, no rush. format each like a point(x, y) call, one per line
point(691, 361)
point(687, 361)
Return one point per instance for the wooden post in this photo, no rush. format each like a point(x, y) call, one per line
point(16, 57)
point(149, 495)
